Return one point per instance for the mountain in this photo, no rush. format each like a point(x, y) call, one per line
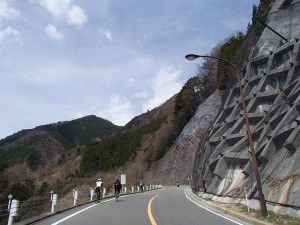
point(35, 153)
point(71, 133)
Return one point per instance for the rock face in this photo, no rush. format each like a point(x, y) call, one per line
point(177, 163)
point(271, 86)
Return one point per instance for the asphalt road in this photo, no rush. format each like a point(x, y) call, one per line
point(167, 206)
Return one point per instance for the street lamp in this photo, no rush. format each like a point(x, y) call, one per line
point(262, 200)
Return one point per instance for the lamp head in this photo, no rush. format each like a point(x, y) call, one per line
point(191, 57)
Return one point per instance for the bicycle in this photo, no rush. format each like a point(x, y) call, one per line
point(117, 195)
point(97, 195)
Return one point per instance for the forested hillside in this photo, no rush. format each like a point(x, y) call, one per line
point(25, 157)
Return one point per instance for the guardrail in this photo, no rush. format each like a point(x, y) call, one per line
point(17, 210)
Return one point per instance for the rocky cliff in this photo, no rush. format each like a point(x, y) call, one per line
point(177, 164)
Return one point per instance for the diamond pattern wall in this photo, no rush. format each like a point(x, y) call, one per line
point(271, 86)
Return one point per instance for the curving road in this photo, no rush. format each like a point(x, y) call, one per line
point(167, 206)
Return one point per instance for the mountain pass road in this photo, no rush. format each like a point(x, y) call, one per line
point(166, 206)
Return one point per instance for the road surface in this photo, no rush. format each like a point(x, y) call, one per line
point(166, 206)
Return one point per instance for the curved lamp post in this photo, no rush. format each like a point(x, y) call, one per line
point(262, 200)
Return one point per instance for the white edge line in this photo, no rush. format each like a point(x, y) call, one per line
point(210, 210)
point(68, 217)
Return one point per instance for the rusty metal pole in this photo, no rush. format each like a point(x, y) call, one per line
point(262, 200)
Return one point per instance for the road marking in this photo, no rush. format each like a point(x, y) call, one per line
point(210, 210)
point(58, 222)
point(149, 211)
point(74, 214)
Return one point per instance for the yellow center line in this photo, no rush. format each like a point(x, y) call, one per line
point(149, 211)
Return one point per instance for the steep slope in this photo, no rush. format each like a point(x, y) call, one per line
point(146, 138)
point(178, 162)
point(271, 87)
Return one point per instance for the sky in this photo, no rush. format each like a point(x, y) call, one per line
point(64, 59)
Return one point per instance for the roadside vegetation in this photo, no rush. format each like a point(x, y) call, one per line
point(272, 217)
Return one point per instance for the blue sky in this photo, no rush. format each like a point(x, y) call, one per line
point(65, 59)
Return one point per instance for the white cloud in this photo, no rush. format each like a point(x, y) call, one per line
point(106, 34)
point(130, 81)
point(64, 9)
point(119, 110)
point(145, 39)
point(146, 60)
point(58, 8)
point(235, 24)
point(53, 33)
point(10, 35)
point(142, 94)
point(76, 16)
point(7, 12)
point(79, 114)
point(164, 86)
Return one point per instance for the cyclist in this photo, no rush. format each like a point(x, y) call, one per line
point(98, 189)
point(118, 187)
point(142, 185)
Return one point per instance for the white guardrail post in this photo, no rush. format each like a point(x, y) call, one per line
point(12, 209)
point(75, 196)
point(104, 192)
point(54, 201)
point(91, 193)
point(51, 200)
